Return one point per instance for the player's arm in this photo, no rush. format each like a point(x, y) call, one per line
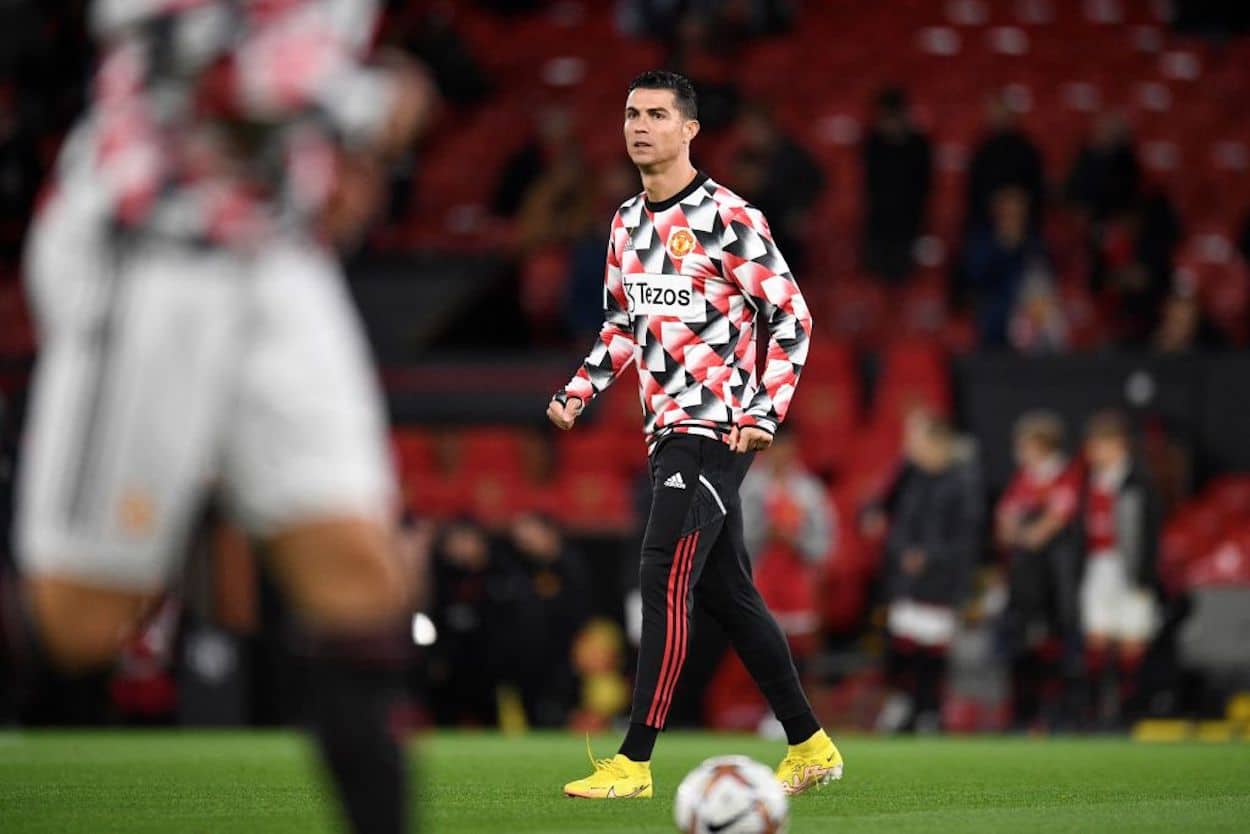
point(752, 260)
point(1059, 511)
point(613, 349)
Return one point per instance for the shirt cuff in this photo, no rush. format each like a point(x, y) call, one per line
point(762, 423)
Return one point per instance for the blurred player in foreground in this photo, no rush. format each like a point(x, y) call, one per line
point(194, 327)
point(690, 265)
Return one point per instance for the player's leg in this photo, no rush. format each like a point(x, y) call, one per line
point(728, 592)
point(308, 467)
point(684, 519)
point(730, 595)
point(1134, 627)
point(1099, 603)
point(125, 404)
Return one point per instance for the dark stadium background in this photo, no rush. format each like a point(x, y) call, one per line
point(479, 284)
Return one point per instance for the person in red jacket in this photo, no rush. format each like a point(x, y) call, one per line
point(1035, 527)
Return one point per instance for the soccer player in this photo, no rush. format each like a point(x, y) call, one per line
point(195, 327)
point(690, 265)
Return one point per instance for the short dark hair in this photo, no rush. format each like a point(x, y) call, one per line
point(683, 90)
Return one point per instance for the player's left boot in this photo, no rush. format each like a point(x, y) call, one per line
point(814, 762)
point(614, 778)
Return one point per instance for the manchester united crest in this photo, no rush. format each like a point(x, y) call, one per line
point(680, 243)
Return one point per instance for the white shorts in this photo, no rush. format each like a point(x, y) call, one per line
point(166, 372)
point(1111, 606)
point(921, 623)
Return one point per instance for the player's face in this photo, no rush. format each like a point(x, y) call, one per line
point(655, 130)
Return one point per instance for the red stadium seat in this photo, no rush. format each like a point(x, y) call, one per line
point(594, 447)
point(1230, 495)
point(913, 375)
point(593, 501)
point(1227, 563)
point(413, 450)
point(496, 449)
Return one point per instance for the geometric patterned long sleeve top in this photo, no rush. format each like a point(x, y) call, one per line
point(684, 282)
point(218, 121)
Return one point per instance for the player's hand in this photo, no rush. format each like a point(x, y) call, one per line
point(563, 416)
point(749, 439)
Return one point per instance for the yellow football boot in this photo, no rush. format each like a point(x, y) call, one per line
point(614, 778)
point(815, 762)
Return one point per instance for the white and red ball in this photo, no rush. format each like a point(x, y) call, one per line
point(731, 795)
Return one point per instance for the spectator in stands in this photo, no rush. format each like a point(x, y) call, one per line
point(1105, 180)
point(557, 206)
point(552, 140)
point(1005, 264)
point(704, 51)
point(1184, 327)
point(1121, 527)
point(583, 310)
point(778, 175)
point(472, 589)
point(1005, 157)
point(552, 605)
point(897, 166)
point(930, 553)
point(1036, 529)
point(1133, 267)
point(790, 529)
point(736, 20)
point(431, 35)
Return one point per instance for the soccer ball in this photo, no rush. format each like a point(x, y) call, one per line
point(731, 795)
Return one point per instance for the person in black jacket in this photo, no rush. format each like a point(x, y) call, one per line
point(1121, 530)
point(930, 552)
point(1004, 158)
point(897, 162)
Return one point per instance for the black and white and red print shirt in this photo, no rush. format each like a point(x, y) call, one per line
point(219, 121)
point(684, 282)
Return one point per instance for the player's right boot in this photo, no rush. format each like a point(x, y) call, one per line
point(814, 762)
point(614, 778)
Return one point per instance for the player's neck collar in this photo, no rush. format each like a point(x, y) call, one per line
point(664, 205)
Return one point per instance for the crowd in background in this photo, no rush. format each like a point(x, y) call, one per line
point(959, 585)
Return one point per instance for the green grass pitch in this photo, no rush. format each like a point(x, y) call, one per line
point(262, 782)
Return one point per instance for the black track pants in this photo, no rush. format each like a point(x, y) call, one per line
point(693, 549)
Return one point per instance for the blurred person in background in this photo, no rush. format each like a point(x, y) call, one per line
point(790, 532)
point(703, 48)
point(897, 162)
point(471, 587)
point(777, 175)
point(1004, 158)
point(1132, 267)
point(1184, 327)
point(1036, 530)
point(551, 140)
point(1121, 528)
point(1008, 274)
point(583, 303)
point(550, 608)
point(930, 553)
point(193, 323)
point(1105, 179)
